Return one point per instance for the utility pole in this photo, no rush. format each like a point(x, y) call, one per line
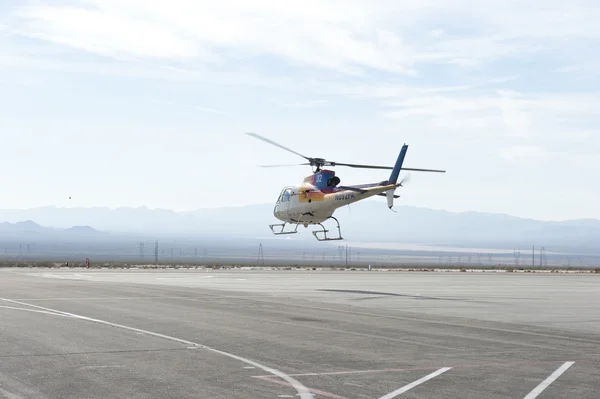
point(141, 250)
point(346, 255)
point(156, 252)
point(533, 257)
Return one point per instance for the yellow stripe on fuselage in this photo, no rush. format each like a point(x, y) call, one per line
point(311, 196)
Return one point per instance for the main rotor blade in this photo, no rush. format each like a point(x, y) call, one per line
point(353, 165)
point(425, 170)
point(384, 167)
point(276, 145)
point(283, 165)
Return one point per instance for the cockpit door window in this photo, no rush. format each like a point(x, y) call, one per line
point(285, 195)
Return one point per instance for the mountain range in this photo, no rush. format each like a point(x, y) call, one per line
point(365, 222)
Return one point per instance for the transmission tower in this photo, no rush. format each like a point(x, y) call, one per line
point(517, 255)
point(260, 258)
point(141, 250)
point(543, 260)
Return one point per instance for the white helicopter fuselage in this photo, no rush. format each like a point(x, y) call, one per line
point(304, 204)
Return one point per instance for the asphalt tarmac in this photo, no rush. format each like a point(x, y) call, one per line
point(74, 333)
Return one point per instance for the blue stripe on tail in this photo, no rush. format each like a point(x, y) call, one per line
point(398, 166)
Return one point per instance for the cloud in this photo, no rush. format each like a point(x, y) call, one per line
point(313, 34)
point(386, 52)
point(350, 36)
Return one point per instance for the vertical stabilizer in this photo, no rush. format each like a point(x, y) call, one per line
point(394, 176)
point(396, 171)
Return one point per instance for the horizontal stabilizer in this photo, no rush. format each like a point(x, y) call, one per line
point(385, 195)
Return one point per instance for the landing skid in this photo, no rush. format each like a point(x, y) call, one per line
point(282, 225)
point(325, 231)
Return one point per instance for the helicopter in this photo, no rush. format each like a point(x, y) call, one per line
point(315, 200)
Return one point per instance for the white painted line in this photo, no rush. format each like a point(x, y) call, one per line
point(303, 392)
point(415, 383)
point(544, 384)
point(32, 310)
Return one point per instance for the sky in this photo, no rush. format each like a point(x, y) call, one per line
point(145, 103)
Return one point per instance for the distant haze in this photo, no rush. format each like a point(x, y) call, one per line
point(367, 222)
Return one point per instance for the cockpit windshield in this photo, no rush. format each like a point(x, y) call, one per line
point(285, 195)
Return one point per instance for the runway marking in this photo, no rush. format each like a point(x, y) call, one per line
point(399, 370)
point(415, 383)
point(32, 310)
point(315, 391)
point(303, 392)
point(544, 384)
